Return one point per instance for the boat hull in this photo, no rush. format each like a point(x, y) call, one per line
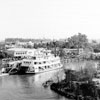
point(46, 70)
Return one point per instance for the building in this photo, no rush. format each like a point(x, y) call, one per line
point(75, 51)
point(25, 44)
point(21, 52)
point(25, 52)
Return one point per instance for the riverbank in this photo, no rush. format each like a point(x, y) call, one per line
point(77, 91)
point(77, 86)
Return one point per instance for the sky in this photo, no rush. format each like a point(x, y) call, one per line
point(52, 19)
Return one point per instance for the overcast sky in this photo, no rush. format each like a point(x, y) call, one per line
point(49, 18)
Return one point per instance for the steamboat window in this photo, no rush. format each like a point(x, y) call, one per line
point(40, 68)
point(44, 61)
point(34, 58)
point(35, 62)
point(39, 62)
point(48, 66)
point(29, 62)
point(45, 66)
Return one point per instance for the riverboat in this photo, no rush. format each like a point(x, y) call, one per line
point(10, 65)
point(40, 63)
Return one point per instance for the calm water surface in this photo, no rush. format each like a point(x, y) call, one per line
point(29, 87)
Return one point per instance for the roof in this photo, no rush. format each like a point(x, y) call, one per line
point(20, 49)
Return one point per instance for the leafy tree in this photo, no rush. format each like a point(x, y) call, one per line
point(89, 70)
point(78, 41)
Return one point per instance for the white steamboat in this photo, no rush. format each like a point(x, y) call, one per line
point(40, 63)
point(37, 62)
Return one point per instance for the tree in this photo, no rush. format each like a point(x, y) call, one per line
point(89, 70)
point(78, 41)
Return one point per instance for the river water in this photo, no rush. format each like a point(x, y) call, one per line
point(29, 87)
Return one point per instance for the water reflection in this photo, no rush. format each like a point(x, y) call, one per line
point(27, 87)
point(79, 65)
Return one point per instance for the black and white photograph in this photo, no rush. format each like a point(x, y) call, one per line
point(49, 49)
